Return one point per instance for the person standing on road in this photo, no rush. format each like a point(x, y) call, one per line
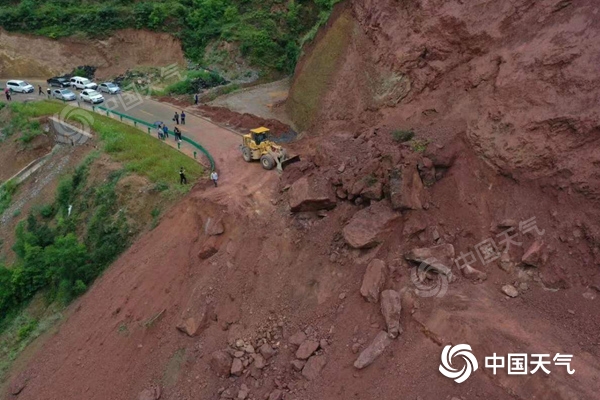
point(177, 134)
point(182, 117)
point(165, 132)
point(214, 177)
point(7, 93)
point(48, 92)
point(176, 118)
point(182, 178)
point(159, 130)
point(196, 99)
point(40, 91)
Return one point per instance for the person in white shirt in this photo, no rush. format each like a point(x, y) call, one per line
point(214, 177)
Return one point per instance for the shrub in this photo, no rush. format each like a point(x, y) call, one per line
point(402, 136)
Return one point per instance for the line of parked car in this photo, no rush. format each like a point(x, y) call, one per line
point(90, 91)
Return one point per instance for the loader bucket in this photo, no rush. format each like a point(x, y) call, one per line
point(290, 160)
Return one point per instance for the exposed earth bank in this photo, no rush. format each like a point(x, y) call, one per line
point(39, 57)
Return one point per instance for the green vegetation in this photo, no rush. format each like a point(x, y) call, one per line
point(61, 247)
point(401, 136)
point(138, 152)
point(314, 78)
point(269, 32)
point(6, 192)
point(419, 145)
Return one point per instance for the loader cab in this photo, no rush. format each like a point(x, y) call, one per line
point(259, 135)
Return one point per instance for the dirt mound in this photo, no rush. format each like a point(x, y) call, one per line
point(244, 122)
point(39, 57)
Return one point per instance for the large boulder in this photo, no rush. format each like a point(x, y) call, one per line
point(374, 350)
point(373, 280)
point(406, 188)
point(438, 258)
point(311, 193)
point(367, 226)
point(214, 226)
point(151, 393)
point(391, 309)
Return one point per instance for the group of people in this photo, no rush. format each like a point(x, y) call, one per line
point(176, 118)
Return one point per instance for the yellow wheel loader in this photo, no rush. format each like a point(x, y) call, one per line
point(257, 146)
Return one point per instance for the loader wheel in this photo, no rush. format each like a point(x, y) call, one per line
point(247, 154)
point(267, 162)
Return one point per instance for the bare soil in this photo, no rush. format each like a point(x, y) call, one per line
point(38, 57)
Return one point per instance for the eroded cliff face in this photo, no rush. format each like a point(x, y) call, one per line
point(517, 79)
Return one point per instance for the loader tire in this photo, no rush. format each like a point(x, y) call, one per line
point(247, 154)
point(267, 162)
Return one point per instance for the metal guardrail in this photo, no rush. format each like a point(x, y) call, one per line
point(149, 126)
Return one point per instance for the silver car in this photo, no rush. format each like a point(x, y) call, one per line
point(109, 87)
point(63, 94)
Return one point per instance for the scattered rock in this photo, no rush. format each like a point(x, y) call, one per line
point(356, 348)
point(208, 249)
point(391, 309)
point(18, 384)
point(313, 367)
point(311, 193)
point(220, 362)
point(194, 325)
point(243, 392)
point(533, 255)
point(237, 367)
point(438, 258)
point(297, 338)
point(306, 349)
point(267, 351)
point(406, 189)
point(373, 280)
point(507, 223)
point(473, 274)
point(426, 171)
point(374, 350)
point(366, 226)
point(214, 226)
point(298, 365)
point(151, 393)
point(373, 192)
point(510, 291)
point(341, 193)
point(504, 263)
point(415, 222)
point(276, 395)
point(259, 361)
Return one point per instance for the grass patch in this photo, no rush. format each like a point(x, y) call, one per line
point(17, 332)
point(313, 79)
point(7, 190)
point(402, 136)
point(137, 151)
point(419, 145)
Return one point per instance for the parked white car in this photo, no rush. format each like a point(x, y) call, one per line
point(109, 87)
point(91, 96)
point(20, 86)
point(63, 94)
point(80, 83)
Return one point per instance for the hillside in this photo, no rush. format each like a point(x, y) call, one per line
point(268, 34)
